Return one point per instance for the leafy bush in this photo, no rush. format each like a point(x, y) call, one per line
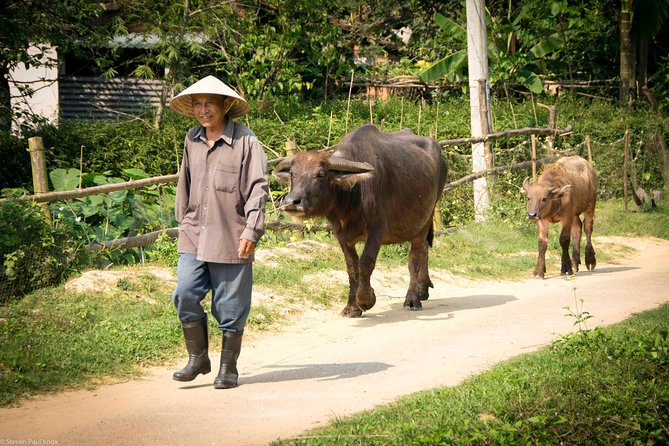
point(124, 213)
point(32, 254)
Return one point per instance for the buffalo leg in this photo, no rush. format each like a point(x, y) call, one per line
point(365, 297)
point(565, 237)
point(542, 235)
point(418, 273)
point(576, 231)
point(351, 257)
point(588, 223)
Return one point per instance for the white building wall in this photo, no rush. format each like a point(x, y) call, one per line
point(41, 99)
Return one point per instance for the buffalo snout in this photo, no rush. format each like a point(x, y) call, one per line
point(532, 215)
point(292, 203)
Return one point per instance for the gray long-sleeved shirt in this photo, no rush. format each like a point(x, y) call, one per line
point(221, 194)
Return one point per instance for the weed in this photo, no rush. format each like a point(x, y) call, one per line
point(580, 316)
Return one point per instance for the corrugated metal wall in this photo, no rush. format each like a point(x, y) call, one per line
point(96, 98)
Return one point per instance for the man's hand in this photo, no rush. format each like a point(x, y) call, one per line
point(246, 248)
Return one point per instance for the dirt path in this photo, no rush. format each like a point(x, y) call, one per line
point(327, 366)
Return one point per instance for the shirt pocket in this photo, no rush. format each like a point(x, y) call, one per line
point(227, 178)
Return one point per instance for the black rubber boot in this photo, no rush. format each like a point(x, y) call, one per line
point(227, 374)
point(197, 344)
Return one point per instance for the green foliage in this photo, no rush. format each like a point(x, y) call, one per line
point(100, 146)
point(164, 251)
point(34, 255)
point(116, 214)
point(506, 65)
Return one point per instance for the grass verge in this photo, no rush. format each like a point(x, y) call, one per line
point(603, 386)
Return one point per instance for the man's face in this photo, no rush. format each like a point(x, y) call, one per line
point(208, 110)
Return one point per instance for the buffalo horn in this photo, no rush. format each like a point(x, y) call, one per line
point(345, 165)
point(284, 164)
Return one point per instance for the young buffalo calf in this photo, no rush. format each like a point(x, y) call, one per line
point(565, 190)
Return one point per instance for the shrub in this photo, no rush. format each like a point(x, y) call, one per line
point(32, 253)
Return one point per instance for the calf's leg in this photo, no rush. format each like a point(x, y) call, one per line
point(542, 235)
point(564, 243)
point(576, 243)
point(588, 223)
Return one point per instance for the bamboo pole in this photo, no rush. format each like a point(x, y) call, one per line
point(485, 122)
point(504, 134)
point(626, 165)
point(40, 176)
point(79, 193)
point(552, 122)
point(348, 103)
point(534, 158)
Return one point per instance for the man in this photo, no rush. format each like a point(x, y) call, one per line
point(221, 194)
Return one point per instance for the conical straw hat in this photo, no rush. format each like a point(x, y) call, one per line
point(183, 104)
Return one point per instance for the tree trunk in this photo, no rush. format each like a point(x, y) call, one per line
point(663, 154)
point(642, 73)
point(626, 56)
point(5, 101)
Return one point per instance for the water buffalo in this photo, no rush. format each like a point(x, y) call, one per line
point(565, 190)
point(378, 188)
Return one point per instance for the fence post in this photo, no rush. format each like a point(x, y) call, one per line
point(485, 122)
point(534, 158)
point(552, 123)
point(625, 165)
point(40, 178)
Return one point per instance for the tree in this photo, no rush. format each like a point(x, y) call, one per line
point(511, 60)
point(640, 21)
point(38, 24)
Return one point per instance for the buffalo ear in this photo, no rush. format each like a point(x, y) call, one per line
point(282, 170)
point(526, 185)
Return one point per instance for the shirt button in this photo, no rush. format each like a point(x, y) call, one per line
point(202, 226)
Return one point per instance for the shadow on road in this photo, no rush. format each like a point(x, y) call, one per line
point(433, 309)
point(326, 372)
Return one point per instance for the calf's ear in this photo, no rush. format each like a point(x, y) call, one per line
point(526, 185)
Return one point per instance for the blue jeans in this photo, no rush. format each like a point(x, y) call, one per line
point(230, 284)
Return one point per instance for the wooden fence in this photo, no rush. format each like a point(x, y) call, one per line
point(145, 239)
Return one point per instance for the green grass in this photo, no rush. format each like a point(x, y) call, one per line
point(54, 339)
point(612, 219)
point(606, 386)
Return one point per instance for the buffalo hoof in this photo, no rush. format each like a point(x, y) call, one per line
point(351, 311)
point(567, 273)
point(367, 302)
point(413, 305)
point(590, 261)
